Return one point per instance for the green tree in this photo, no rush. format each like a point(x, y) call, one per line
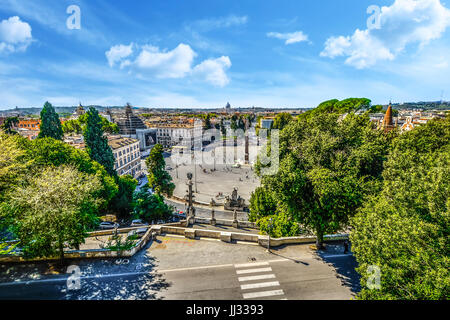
point(96, 143)
point(51, 212)
point(8, 125)
point(207, 124)
point(50, 124)
point(150, 207)
point(262, 203)
point(12, 162)
point(336, 106)
point(281, 120)
point(328, 165)
point(223, 130)
point(404, 230)
point(121, 204)
point(42, 153)
point(78, 125)
point(158, 178)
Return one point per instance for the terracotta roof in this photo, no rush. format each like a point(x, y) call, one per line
point(116, 142)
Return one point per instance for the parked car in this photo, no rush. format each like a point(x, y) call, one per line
point(138, 223)
point(181, 215)
point(141, 231)
point(175, 218)
point(169, 168)
point(108, 225)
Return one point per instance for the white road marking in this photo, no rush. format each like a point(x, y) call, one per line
point(260, 277)
point(335, 256)
point(196, 268)
point(254, 264)
point(261, 294)
point(260, 285)
point(254, 270)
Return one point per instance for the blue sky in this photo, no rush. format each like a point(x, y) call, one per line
point(190, 53)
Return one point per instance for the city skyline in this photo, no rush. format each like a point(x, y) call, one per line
point(201, 55)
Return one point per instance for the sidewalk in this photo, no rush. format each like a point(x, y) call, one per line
point(223, 228)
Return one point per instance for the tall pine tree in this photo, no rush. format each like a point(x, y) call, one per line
point(96, 144)
point(50, 123)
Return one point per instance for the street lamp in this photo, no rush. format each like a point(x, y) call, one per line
point(270, 229)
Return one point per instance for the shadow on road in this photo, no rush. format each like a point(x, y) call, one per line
point(131, 278)
point(344, 264)
point(274, 252)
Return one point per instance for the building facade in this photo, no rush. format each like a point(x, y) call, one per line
point(127, 155)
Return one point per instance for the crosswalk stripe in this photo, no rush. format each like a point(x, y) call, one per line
point(260, 285)
point(254, 270)
point(254, 264)
point(263, 294)
point(260, 277)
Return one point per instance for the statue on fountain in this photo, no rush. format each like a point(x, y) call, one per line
point(235, 202)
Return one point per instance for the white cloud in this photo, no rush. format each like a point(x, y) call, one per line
point(290, 38)
point(213, 70)
point(166, 64)
point(221, 22)
point(117, 53)
point(176, 63)
point(404, 22)
point(15, 35)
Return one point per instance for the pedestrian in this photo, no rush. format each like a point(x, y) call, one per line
point(345, 246)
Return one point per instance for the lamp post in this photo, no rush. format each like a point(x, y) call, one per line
point(270, 229)
point(191, 210)
point(195, 171)
point(214, 158)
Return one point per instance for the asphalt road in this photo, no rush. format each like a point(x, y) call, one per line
point(183, 269)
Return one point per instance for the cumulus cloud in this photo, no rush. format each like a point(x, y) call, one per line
point(118, 53)
point(404, 22)
point(213, 70)
point(15, 35)
point(176, 63)
point(290, 38)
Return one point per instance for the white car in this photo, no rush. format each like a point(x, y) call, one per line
point(108, 225)
point(138, 223)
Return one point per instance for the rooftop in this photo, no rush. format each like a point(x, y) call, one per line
point(116, 142)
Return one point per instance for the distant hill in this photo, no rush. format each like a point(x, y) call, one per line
point(58, 109)
point(430, 105)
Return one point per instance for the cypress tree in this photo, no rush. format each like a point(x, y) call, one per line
point(97, 144)
point(50, 123)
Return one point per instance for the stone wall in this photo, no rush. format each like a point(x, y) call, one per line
point(176, 229)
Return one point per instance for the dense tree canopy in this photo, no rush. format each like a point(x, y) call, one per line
point(96, 143)
point(281, 120)
point(121, 204)
point(52, 211)
point(328, 165)
point(8, 124)
point(150, 207)
point(50, 124)
point(405, 229)
point(158, 178)
point(46, 152)
point(336, 106)
point(22, 159)
point(79, 125)
point(12, 162)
